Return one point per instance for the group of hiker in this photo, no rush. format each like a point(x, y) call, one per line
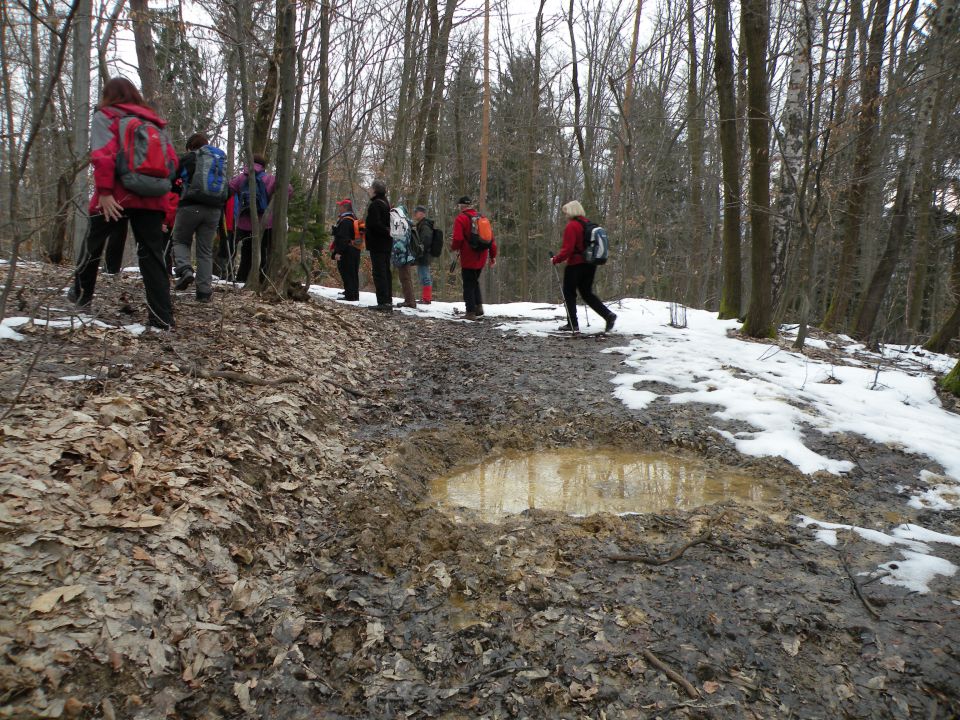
point(170, 201)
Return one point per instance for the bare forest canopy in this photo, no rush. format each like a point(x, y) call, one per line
point(781, 160)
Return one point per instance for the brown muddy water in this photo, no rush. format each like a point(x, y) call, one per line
point(584, 482)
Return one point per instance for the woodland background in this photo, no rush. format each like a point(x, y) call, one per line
point(782, 161)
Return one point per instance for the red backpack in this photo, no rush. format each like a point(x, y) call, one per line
point(144, 162)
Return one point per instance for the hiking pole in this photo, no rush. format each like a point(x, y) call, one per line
point(563, 300)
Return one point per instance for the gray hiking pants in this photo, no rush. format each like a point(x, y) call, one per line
point(199, 220)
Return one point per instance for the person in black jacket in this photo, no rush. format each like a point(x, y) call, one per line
point(379, 243)
point(346, 252)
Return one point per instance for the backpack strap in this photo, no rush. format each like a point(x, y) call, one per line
point(583, 235)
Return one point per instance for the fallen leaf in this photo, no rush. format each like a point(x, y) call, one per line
point(46, 602)
point(791, 646)
point(710, 687)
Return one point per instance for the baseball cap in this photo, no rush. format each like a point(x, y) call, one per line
point(345, 201)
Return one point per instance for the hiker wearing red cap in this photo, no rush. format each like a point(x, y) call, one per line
point(471, 260)
point(347, 243)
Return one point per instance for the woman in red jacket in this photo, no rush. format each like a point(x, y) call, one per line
point(132, 190)
point(578, 275)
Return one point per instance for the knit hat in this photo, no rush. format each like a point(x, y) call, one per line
point(465, 200)
point(420, 208)
point(345, 201)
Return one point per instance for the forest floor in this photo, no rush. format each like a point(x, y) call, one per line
point(234, 519)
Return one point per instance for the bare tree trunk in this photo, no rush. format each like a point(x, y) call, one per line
point(431, 144)
point(269, 98)
point(623, 150)
point(836, 316)
point(794, 124)
point(323, 174)
point(279, 266)
point(730, 302)
point(589, 199)
point(697, 274)
point(485, 121)
point(944, 25)
point(81, 121)
point(525, 219)
point(146, 52)
point(756, 30)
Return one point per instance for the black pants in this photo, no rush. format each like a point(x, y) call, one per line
point(382, 277)
point(580, 278)
point(471, 288)
point(349, 267)
point(116, 242)
point(148, 233)
point(245, 241)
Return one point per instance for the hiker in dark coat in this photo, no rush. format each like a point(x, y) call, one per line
point(346, 250)
point(380, 244)
point(113, 205)
point(579, 274)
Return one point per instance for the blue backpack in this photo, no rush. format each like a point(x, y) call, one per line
point(208, 186)
point(242, 205)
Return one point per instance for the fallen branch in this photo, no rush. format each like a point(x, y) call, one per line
point(703, 539)
point(856, 587)
point(671, 673)
point(237, 376)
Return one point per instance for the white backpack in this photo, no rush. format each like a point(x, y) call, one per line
point(399, 223)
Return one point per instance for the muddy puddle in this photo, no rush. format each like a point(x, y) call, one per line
point(584, 482)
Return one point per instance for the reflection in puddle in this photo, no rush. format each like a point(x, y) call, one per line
point(583, 482)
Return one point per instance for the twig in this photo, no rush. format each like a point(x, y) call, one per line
point(647, 560)
point(856, 587)
point(671, 673)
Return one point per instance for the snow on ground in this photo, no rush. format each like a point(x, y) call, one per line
point(778, 397)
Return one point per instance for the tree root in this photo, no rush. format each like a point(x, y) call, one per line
point(671, 673)
point(703, 539)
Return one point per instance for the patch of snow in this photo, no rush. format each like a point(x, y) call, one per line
point(917, 568)
point(78, 378)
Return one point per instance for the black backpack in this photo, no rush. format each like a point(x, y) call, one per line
point(436, 243)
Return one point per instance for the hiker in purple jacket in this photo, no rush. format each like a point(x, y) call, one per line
point(243, 203)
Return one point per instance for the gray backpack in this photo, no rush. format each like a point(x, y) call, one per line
point(208, 186)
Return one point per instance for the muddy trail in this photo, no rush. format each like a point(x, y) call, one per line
point(328, 582)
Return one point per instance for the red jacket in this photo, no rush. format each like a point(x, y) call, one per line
point(470, 259)
point(573, 244)
point(104, 145)
point(173, 202)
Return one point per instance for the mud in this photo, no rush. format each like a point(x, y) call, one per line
point(528, 618)
point(398, 610)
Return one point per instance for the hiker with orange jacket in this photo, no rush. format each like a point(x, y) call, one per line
point(472, 260)
point(579, 274)
point(125, 131)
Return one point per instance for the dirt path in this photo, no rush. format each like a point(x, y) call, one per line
point(338, 590)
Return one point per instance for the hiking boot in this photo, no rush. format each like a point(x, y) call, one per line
point(611, 319)
point(479, 310)
point(185, 280)
point(74, 297)
point(470, 316)
point(567, 328)
point(385, 308)
point(203, 297)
